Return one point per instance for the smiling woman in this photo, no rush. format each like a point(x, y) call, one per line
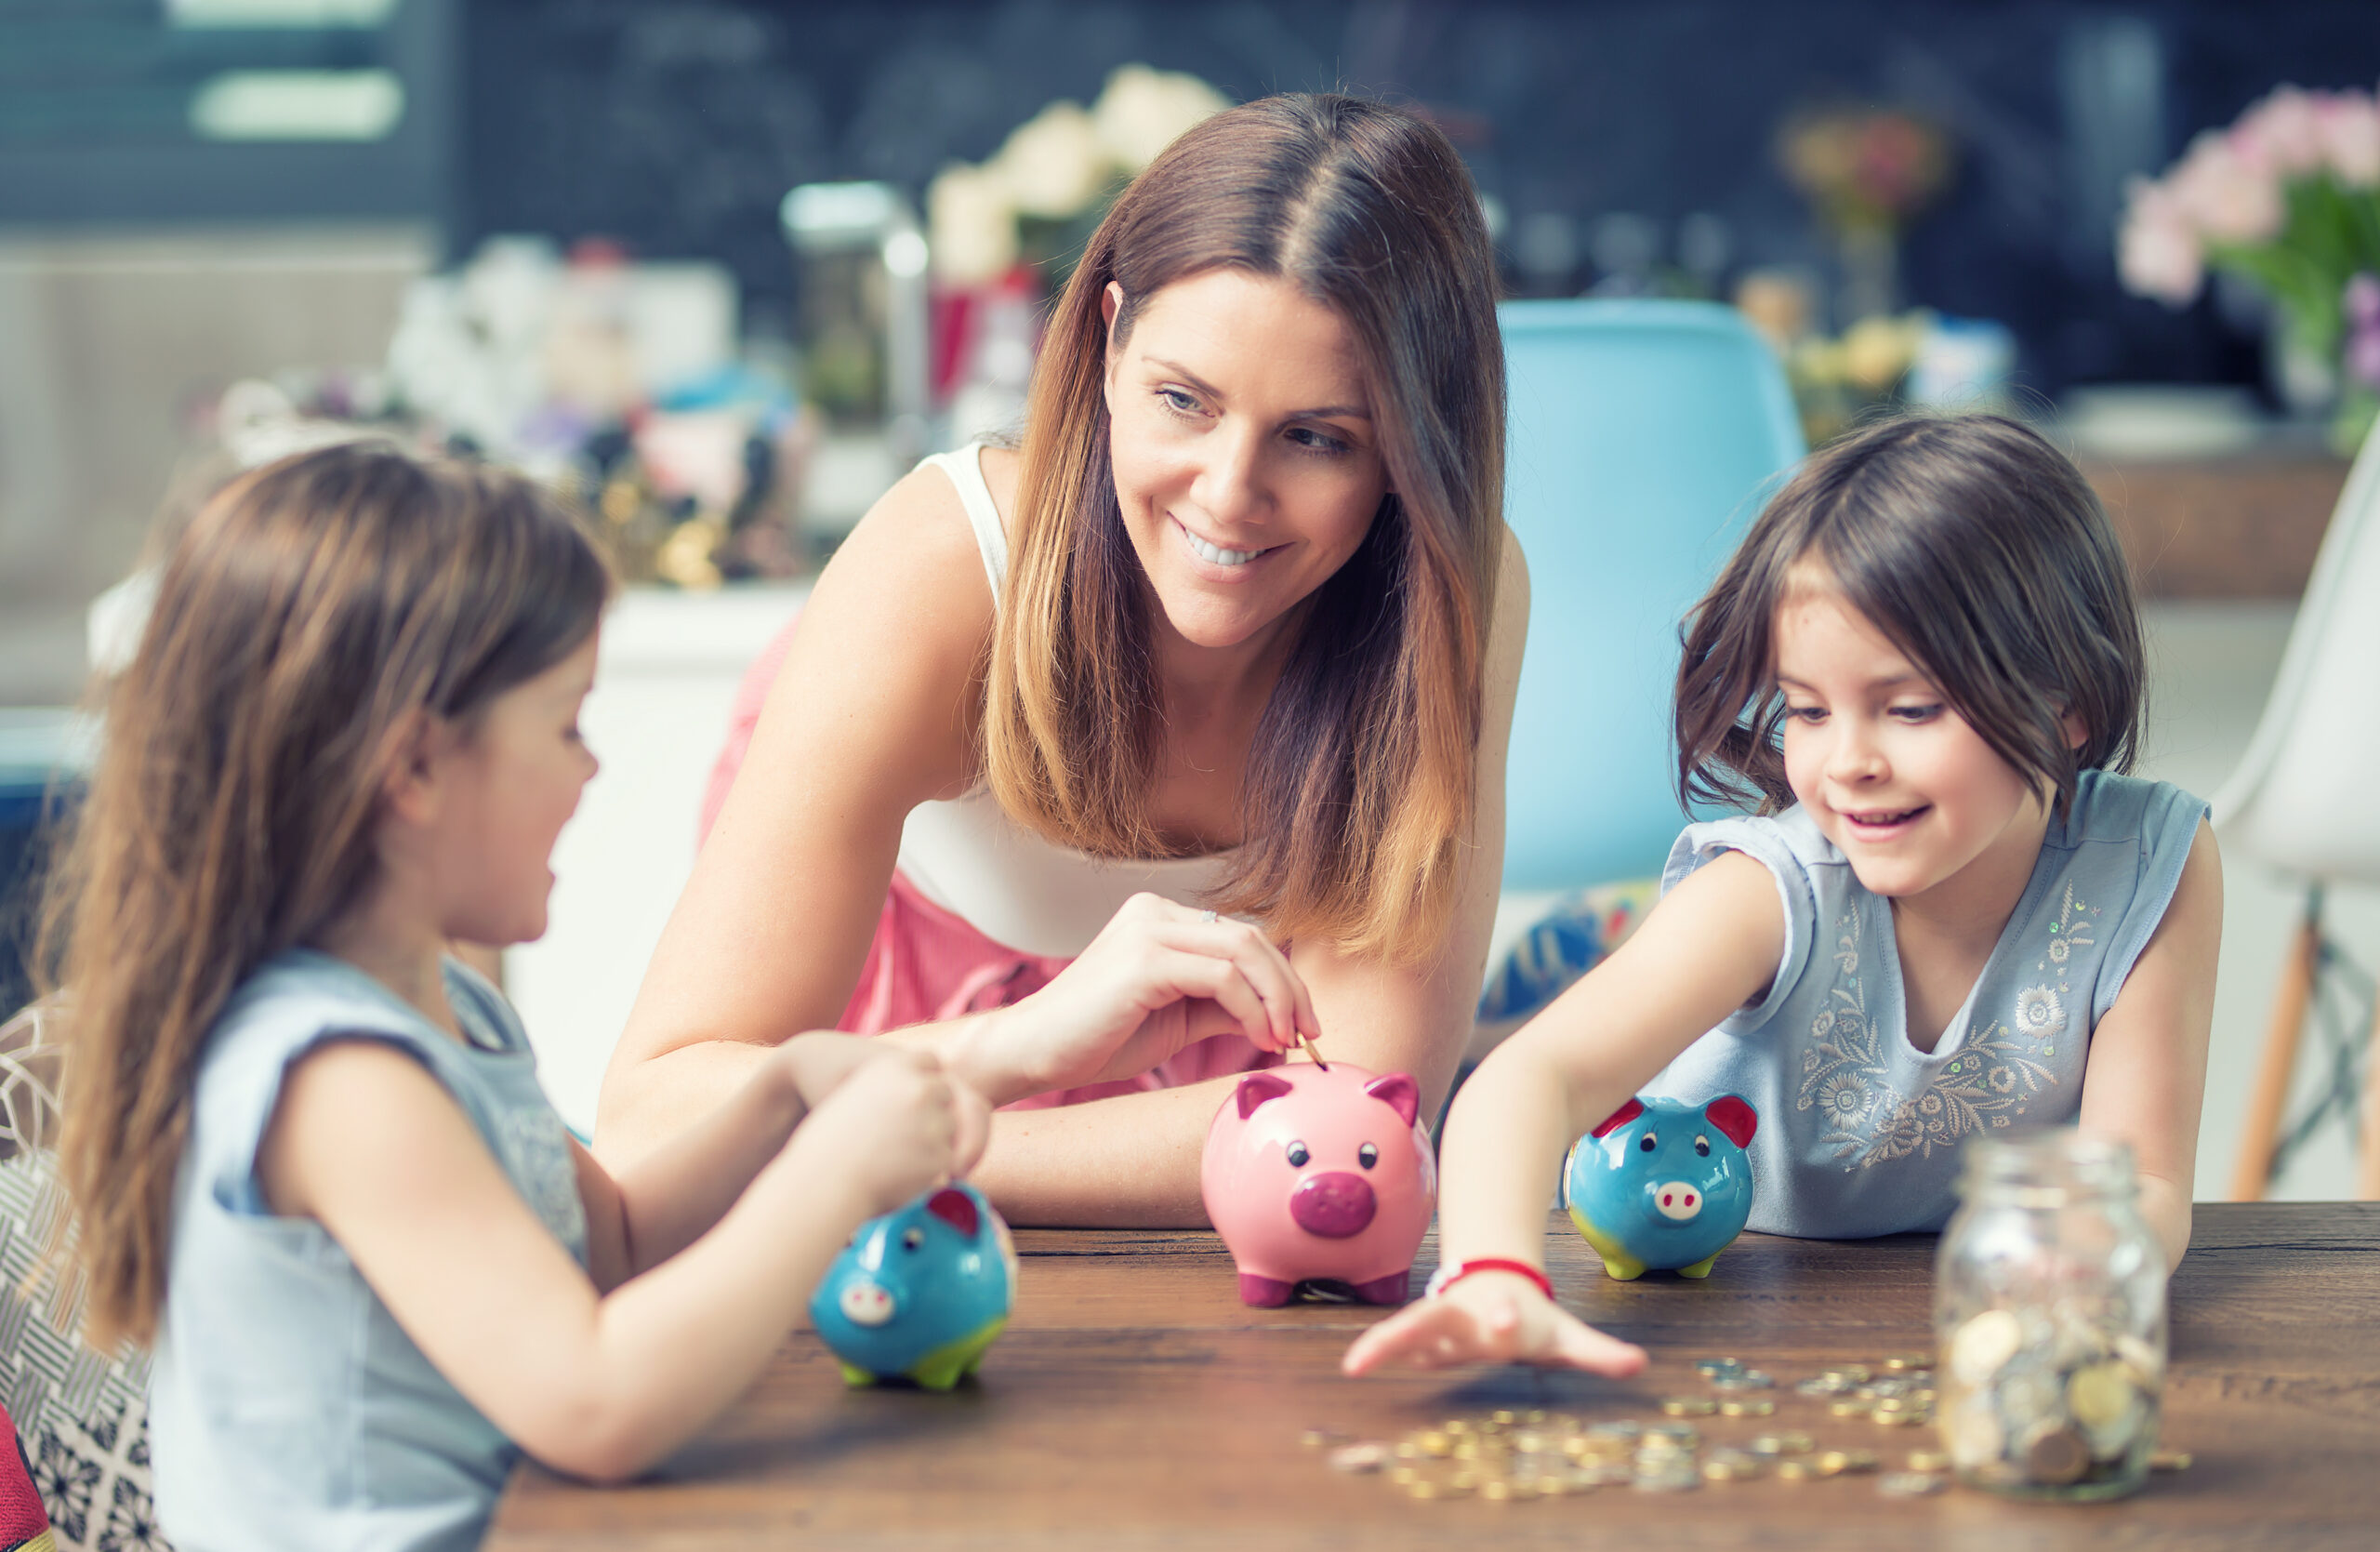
point(1250, 644)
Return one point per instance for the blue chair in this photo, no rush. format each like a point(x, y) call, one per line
point(1642, 438)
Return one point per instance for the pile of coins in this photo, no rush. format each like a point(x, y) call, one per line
point(1516, 1455)
point(2046, 1400)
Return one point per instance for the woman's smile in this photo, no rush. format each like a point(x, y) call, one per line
point(1232, 563)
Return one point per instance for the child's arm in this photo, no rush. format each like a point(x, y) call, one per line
point(2145, 1079)
point(1711, 945)
point(669, 1198)
point(368, 1143)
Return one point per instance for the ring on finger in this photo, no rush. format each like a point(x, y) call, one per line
point(1206, 916)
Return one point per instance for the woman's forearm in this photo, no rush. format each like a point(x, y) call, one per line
point(643, 1110)
point(1128, 1162)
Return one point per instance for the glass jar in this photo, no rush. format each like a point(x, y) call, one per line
point(2049, 1306)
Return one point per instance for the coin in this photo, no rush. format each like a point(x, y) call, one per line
point(1717, 1365)
point(1690, 1406)
point(1850, 1408)
point(1369, 1456)
point(1834, 1463)
point(1501, 1417)
point(1767, 1444)
point(1435, 1444)
point(1760, 1406)
point(1929, 1460)
point(1797, 1442)
point(1982, 1346)
point(1405, 1475)
point(2099, 1394)
point(1822, 1385)
point(1795, 1471)
point(1314, 1438)
point(1908, 1360)
point(1909, 1484)
point(2056, 1456)
point(2170, 1460)
point(1849, 1374)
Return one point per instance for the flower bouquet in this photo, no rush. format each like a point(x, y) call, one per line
point(2288, 198)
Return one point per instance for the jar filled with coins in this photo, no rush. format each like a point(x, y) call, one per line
point(2049, 1303)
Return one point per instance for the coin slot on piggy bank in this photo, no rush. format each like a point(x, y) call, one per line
point(1662, 1186)
point(919, 1294)
point(1321, 1182)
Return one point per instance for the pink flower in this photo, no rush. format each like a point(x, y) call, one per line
point(2227, 197)
point(2351, 128)
point(2157, 253)
point(2282, 134)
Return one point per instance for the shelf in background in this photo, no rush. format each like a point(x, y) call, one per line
point(2243, 524)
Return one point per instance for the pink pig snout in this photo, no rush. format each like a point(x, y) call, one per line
point(1336, 1206)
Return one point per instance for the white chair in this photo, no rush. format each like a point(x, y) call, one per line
point(2306, 801)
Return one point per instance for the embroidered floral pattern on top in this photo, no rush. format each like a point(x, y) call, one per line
point(1987, 1084)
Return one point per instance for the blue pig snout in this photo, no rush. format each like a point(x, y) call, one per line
point(866, 1303)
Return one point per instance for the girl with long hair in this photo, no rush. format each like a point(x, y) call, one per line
point(1232, 636)
point(1951, 915)
point(308, 1152)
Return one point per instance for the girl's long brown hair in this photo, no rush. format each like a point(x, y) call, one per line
point(307, 619)
point(1976, 548)
point(1360, 787)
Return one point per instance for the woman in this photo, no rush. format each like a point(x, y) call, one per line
point(1249, 647)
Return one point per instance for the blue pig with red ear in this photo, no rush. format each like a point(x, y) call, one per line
point(1662, 1185)
point(920, 1293)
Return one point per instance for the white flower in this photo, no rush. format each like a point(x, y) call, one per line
point(2059, 950)
point(1051, 162)
point(971, 223)
point(2038, 1011)
point(2281, 134)
point(2350, 130)
point(2227, 196)
point(1845, 1098)
point(1142, 110)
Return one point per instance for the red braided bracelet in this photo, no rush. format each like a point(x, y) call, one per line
point(1447, 1276)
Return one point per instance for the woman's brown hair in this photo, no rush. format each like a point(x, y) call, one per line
point(1977, 549)
point(1360, 785)
point(309, 616)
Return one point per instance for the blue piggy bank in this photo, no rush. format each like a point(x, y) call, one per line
point(1662, 1185)
point(920, 1293)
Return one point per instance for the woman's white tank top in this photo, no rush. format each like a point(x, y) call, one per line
point(968, 856)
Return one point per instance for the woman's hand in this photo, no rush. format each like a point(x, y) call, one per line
point(1157, 978)
point(1490, 1317)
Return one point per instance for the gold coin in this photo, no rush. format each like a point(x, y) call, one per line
point(1981, 1347)
point(1464, 1480)
point(1793, 1470)
point(1408, 1450)
point(1848, 1373)
point(1501, 1416)
point(1529, 1443)
point(1467, 1450)
point(1422, 1487)
point(1455, 1426)
point(1536, 1415)
point(1908, 1360)
point(1405, 1475)
point(1797, 1442)
point(1496, 1491)
point(1767, 1444)
point(2099, 1394)
point(1690, 1406)
point(1435, 1444)
point(1929, 1460)
point(1314, 1438)
point(2170, 1460)
point(1760, 1406)
point(1850, 1409)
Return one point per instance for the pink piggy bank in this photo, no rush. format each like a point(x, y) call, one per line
point(1320, 1174)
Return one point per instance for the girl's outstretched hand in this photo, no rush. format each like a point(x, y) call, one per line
point(1157, 978)
point(1490, 1317)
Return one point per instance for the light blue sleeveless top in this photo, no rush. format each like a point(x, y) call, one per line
point(1859, 1131)
point(287, 1407)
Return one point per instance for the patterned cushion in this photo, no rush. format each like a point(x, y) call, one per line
point(82, 1417)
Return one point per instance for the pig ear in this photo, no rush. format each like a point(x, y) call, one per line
point(1620, 1117)
point(1258, 1087)
point(1399, 1092)
point(1733, 1116)
point(955, 1208)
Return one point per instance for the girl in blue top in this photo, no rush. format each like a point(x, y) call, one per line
point(1951, 916)
point(308, 1149)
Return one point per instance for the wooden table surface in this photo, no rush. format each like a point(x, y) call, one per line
point(1134, 1401)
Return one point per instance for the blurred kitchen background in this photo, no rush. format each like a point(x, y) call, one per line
point(723, 269)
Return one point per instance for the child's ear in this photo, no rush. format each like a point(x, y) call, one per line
point(413, 785)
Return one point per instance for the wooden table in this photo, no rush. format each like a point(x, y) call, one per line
point(1135, 1402)
point(2241, 525)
